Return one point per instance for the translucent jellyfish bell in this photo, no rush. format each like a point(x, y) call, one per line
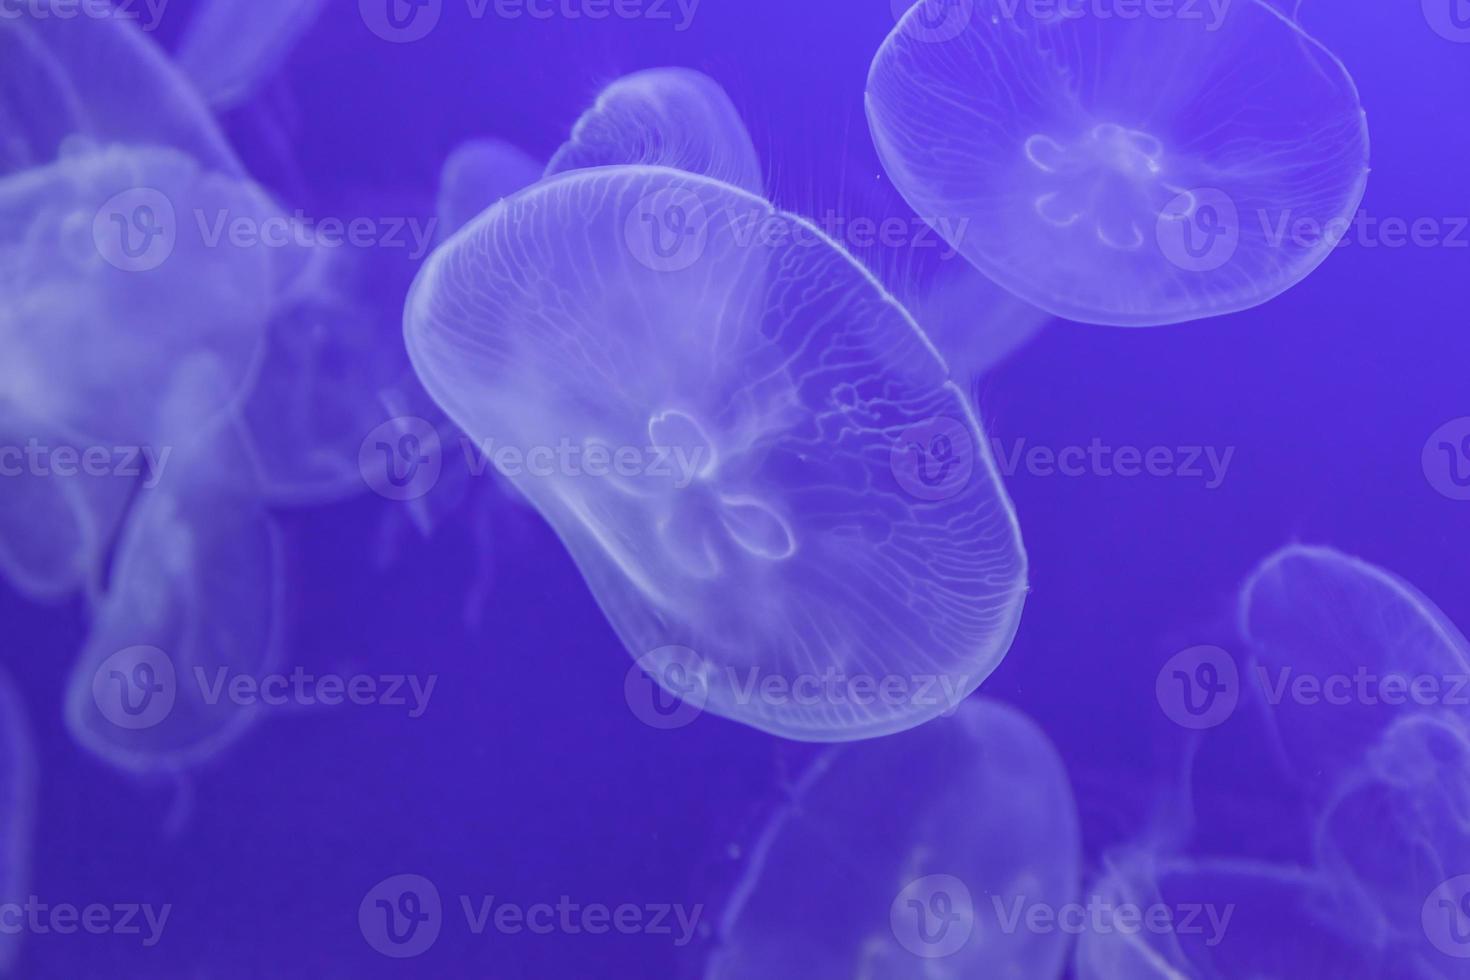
point(1113, 166)
point(751, 451)
point(1318, 613)
point(974, 323)
point(667, 117)
point(194, 601)
point(852, 879)
point(476, 175)
point(99, 77)
point(231, 47)
point(110, 275)
point(17, 810)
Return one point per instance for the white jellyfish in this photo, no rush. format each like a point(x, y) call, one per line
point(1355, 632)
point(193, 603)
point(974, 323)
point(99, 77)
point(667, 117)
point(231, 47)
point(907, 857)
point(751, 451)
point(17, 810)
point(1114, 166)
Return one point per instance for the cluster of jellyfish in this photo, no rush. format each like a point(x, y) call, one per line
point(842, 511)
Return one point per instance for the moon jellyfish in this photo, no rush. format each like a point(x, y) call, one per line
point(110, 274)
point(476, 175)
point(231, 47)
point(752, 453)
point(1395, 830)
point(194, 601)
point(1117, 167)
point(17, 810)
point(853, 879)
point(1169, 916)
point(98, 77)
point(1352, 633)
point(667, 117)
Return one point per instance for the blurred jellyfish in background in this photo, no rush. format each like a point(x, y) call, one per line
point(194, 601)
point(17, 810)
point(231, 48)
point(476, 175)
point(908, 856)
point(667, 117)
point(1122, 169)
point(772, 414)
point(1318, 613)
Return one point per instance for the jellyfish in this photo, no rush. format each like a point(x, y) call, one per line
point(752, 453)
point(1394, 831)
point(230, 47)
point(1117, 167)
point(1355, 632)
point(102, 78)
point(476, 175)
point(852, 879)
point(17, 809)
point(1173, 916)
point(193, 602)
point(667, 117)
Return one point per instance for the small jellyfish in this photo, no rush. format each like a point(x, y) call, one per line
point(1353, 632)
point(908, 856)
point(1172, 917)
point(753, 454)
point(98, 77)
point(1117, 167)
point(476, 175)
point(17, 810)
point(667, 117)
point(193, 603)
point(1396, 829)
point(230, 48)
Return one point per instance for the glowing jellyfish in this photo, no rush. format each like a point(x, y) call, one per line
point(194, 601)
point(855, 879)
point(231, 47)
point(476, 175)
point(1113, 166)
point(99, 77)
point(748, 447)
point(1355, 632)
point(667, 117)
point(1395, 830)
point(1166, 916)
point(17, 810)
